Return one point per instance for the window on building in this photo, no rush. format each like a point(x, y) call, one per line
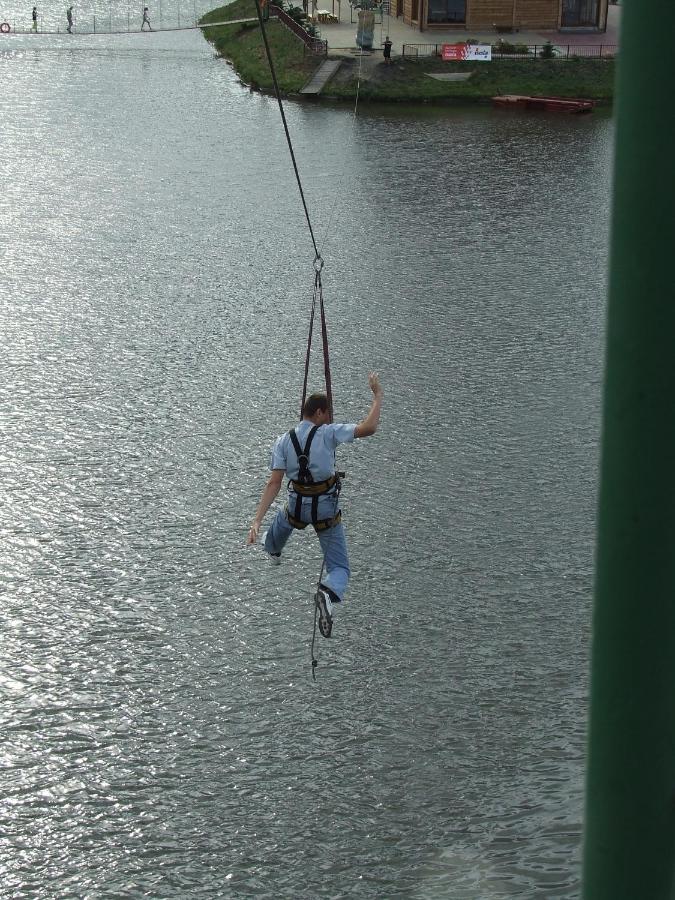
point(580, 13)
point(446, 11)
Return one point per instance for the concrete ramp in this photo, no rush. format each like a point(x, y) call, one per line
point(322, 76)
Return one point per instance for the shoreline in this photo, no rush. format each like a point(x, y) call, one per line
point(406, 81)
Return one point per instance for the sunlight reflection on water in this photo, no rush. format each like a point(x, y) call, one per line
point(161, 733)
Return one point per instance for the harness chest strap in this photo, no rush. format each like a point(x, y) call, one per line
point(304, 474)
point(305, 486)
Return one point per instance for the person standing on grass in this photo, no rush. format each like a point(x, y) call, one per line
point(386, 52)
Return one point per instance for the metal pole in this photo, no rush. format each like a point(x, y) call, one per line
point(629, 850)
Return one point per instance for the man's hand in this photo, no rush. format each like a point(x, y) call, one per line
point(271, 490)
point(368, 426)
point(374, 384)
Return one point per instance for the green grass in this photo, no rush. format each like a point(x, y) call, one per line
point(406, 80)
point(242, 45)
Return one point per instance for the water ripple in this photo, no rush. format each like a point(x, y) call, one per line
point(161, 733)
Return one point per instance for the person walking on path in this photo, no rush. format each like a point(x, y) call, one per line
point(146, 19)
point(35, 18)
point(386, 52)
point(69, 16)
point(306, 455)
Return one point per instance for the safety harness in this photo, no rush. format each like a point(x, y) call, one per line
point(305, 486)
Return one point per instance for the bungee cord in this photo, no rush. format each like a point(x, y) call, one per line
point(338, 189)
point(277, 92)
point(316, 297)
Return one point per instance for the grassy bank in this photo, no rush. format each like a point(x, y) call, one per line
point(406, 79)
point(242, 45)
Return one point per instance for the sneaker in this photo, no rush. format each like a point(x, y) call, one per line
point(275, 558)
point(325, 608)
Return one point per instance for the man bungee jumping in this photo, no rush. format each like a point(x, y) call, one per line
point(306, 454)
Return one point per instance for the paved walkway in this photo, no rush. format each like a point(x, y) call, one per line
point(342, 35)
point(321, 77)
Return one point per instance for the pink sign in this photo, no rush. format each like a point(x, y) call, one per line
point(463, 51)
point(454, 51)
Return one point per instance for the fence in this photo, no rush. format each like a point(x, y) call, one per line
point(525, 51)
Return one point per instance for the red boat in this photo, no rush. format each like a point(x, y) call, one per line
point(548, 104)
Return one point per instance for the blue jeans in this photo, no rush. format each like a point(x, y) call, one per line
point(333, 544)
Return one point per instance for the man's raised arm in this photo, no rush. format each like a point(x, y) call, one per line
point(368, 426)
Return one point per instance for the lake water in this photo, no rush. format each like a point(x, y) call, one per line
point(161, 732)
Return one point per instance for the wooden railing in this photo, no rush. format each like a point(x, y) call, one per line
point(316, 45)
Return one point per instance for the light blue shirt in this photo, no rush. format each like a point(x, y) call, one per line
point(321, 453)
point(321, 464)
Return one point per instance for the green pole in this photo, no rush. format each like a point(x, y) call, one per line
point(629, 850)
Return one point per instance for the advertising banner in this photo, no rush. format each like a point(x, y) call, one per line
point(467, 52)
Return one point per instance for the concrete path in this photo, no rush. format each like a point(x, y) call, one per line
point(321, 77)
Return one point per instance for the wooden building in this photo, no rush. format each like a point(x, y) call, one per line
point(516, 15)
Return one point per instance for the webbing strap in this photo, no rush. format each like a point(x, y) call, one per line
point(320, 525)
point(318, 295)
point(303, 454)
point(317, 487)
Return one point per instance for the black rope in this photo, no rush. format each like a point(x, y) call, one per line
point(317, 255)
point(318, 293)
point(315, 661)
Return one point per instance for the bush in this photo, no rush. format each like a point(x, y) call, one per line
point(508, 49)
point(297, 13)
point(547, 51)
point(503, 47)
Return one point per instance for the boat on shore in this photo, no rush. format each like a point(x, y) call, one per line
point(547, 104)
